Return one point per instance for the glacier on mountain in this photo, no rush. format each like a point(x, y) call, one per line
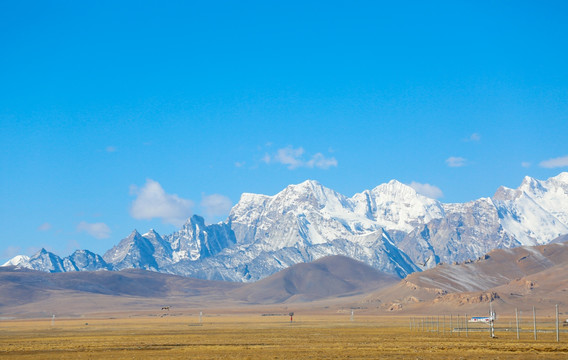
point(390, 227)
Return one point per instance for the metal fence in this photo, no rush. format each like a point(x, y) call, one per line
point(522, 324)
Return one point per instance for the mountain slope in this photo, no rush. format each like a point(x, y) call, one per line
point(537, 211)
point(30, 291)
point(326, 277)
point(499, 270)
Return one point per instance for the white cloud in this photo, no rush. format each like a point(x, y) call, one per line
point(44, 227)
point(474, 137)
point(555, 163)
point(294, 158)
point(240, 164)
point(427, 190)
point(526, 164)
point(96, 230)
point(290, 157)
point(216, 205)
point(455, 161)
point(110, 149)
point(153, 202)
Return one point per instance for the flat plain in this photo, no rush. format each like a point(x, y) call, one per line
point(253, 336)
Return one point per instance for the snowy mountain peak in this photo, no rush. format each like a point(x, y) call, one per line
point(17, 260)
point(396, 206)
point(395, 190)
point(562, 177)
point(307, 191)
point(532, 186)
point(151, 232)
point(307, 184)
point(537, 211)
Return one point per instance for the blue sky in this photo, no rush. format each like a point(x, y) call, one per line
point(137, 114)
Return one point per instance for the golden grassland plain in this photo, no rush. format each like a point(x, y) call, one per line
point(261, 337)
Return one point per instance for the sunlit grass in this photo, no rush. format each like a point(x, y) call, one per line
point(258, 337)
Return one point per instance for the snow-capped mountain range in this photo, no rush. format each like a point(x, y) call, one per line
point(390, 227)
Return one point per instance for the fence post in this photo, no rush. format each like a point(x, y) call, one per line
point(534, 322)
point(557, 329)
point(466, 328)
point(517, 321)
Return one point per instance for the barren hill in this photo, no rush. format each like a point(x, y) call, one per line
point(519, 275)
point(36, 292)
point(326, 277)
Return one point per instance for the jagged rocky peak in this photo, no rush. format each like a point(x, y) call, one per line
point(195, 220)
point(196, 240)
point(85, 260)
point(134, 234)
point(46, 261)
point(504, 193)
point(134, 251)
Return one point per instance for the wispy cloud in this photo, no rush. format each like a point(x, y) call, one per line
point(153, 202)
point(295, 158)
point(10, 251)
point(321, 162)
point(427, 190)
point(473, 138)
point(456, 161)
point(110, 149)
point(44, 227)
point(526, 164)
point(290, 157)
point(555, 162)
point(97, 230)
point(215, 205)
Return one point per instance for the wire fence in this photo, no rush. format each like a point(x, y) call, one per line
point(523, 324)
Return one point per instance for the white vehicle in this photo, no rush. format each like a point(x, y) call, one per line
point(489, 320)
point(481, 319)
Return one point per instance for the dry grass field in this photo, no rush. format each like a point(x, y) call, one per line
point(259, 337)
